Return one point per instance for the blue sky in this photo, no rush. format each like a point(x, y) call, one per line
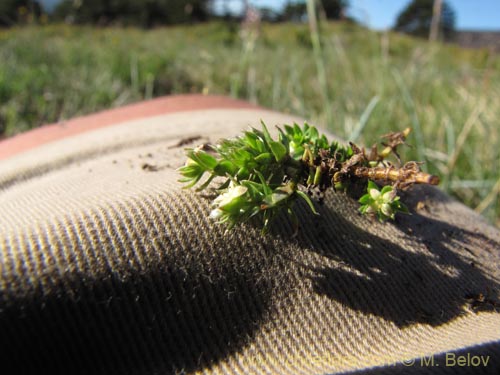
point(470, 14)
point(381, 14)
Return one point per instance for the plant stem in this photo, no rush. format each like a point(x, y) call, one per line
point(318, 58)
point(406, 174)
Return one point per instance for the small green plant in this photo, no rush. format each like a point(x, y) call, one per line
point(383, 203)
point(258, 176)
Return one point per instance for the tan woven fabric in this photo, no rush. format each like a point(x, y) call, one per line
point(109, 267)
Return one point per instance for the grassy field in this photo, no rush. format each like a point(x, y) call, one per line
point(374, 83)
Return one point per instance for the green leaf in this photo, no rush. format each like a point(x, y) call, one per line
point(265, 187)
point(282, 138)
point(224, 185)
point(242, 156)
point(264, 158)
point(242, 173)
point(205, 160)
point(305, 197)
point(235, 205)
point(191, 170)
point(275, 198)
point(194, 181)
point(254, 189)
point(386, 189)
point(251, 139)
point(289, 131)
point(278, 149)
point(349, 152)
point(313, 134)
point(225, 167)
point(317, 176)
point(402, 208)
point(363, 209)
point(267, 136)
point(365, 199)
point(371, 185)
point(205, 184)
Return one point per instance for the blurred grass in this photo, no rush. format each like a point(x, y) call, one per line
point(375, 83)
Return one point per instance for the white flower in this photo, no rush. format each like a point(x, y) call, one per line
point(216, 214)
point(275, 198)
point(388, 196)
point(231, 194)
point(374, 193)
point(387, 209)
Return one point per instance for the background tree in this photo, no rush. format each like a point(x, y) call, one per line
point(331, 9)
point(294, 11)
point(268, 14)
point(334, 9)
point(19, 11)
point(416, 19)
point(145, 13)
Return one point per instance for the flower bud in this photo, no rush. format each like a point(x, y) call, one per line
point(229, 196)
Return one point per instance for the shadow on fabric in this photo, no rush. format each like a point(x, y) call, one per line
point(209, 294)
point(432, 284)
point(172, 318)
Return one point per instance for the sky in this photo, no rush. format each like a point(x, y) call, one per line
point(381, 14)
point(470, 14)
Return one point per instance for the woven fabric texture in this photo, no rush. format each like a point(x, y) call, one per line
point(107, 266)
